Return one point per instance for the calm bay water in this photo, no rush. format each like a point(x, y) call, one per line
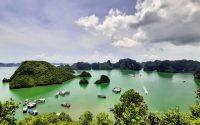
point(165, 91)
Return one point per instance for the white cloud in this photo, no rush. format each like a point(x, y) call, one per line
point(171, 21)
point(88, 21)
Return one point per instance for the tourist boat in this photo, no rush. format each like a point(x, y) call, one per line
point(67, 105)
point(101, 96)
point(31, 105)
point(117, 90)
point(24, 110)
point(32, 112)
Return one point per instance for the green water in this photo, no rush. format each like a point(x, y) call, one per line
point(165, 91)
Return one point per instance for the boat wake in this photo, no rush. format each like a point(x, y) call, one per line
point(145, 90)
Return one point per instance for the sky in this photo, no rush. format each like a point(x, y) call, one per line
point(68, 31)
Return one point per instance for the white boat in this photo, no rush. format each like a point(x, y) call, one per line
point(117, 90)
point(31, 105)
point(42, 100)
point(24, 110)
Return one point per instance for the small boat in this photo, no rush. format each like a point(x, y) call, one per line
point(101, 96)
point(131, 75)
point(26, 101)
point(64, 92)
point(31, 105)
point(112, 108)
point(42, 100)
point(32, 112)
point(67, 105)
point(57, 94)
point(24, 110)
point(117, 90)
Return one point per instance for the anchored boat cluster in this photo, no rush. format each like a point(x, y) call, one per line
point(28, 105)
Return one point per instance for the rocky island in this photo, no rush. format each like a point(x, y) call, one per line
point(85, 74)
point(103, 79)
point(38, 73)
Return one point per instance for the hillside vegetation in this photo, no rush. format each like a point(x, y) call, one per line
point(38, 73)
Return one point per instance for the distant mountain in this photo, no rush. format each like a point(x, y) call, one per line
point(176, 66)
point(9, 64)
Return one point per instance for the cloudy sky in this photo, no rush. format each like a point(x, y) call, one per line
point(98, 30)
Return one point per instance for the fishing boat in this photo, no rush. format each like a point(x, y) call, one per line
point(101, 96)
point(117, 90)
point(67, 105)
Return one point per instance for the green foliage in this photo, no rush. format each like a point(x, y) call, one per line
point(195, 110)
point(38, 73)
point(48, 119)
point(103, 79)
point(85, 74)
point(67, 67)
point(7, 112)
point(103, 119)
point(85, 118)
point(131, 110)
point(5, 80)
point(197, 74)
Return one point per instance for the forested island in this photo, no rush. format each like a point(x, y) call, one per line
point(39, 73)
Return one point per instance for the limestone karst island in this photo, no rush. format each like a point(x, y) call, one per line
point(99, 62)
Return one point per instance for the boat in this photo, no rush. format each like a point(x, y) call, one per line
point(117, 90)
point(31, 105)
point(26, 101)
point(101, 96)
point(112, 108)
point(64, 92)
point(42, 100)
point(24, 110)
point(67, 105)
point(32, 112)
point(131, 75)
point(57, 94)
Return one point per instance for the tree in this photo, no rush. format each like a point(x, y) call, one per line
point(7, 112)
point(86, 118)
point(173, 117)
point(103, 119)
point(131, 110)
